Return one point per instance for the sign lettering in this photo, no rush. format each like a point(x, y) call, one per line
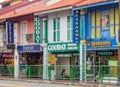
point(37, 30)
point(63, 47)
point(76, 29)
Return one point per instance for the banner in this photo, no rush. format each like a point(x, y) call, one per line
point(10, 32)
point(37, 30)
point(76, 26)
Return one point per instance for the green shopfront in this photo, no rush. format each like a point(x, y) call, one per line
point(63, 56)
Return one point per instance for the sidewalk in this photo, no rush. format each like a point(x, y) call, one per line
point(65, 82)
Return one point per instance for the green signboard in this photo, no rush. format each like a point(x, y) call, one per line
point(63, 47)
point(37, 30)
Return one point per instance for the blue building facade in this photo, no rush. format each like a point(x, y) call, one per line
point(97, 26)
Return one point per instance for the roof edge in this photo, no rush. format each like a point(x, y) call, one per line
point(53, 10)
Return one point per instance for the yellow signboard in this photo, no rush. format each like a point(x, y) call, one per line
point(51, 58)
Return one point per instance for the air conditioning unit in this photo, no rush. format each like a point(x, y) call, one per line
point(29, 37)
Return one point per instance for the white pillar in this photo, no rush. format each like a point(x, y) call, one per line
point(82, 61)
point(45, 62)
point(45, 53)
point(16, 64)
point(16, 55)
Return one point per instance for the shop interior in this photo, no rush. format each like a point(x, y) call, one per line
point(107, 59)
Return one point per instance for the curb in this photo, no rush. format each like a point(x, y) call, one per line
point(64, 83)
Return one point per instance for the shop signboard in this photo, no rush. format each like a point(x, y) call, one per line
point(105, 53)
point(37, 30)
point(29, 48)
point(63, 47)
point(101, 44)
point(76, 26)
point(10, 32)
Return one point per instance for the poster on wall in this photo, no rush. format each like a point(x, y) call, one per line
point(104, 21)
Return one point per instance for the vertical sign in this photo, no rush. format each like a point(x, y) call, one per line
point(76, 26)
point(10, 32)
point(37, 30)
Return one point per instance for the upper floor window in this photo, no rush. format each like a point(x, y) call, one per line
point(69, 28)
point(56, 29)
point(23, 32)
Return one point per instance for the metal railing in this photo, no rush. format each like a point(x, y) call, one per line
point(64, 72)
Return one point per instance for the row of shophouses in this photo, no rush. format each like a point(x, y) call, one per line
point(61, 32)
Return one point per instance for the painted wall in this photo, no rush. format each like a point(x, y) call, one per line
point(103, 26)
point(30, 27)
point(63, 25)
point(1, 35)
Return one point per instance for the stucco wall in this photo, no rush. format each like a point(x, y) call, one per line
point(63, 25)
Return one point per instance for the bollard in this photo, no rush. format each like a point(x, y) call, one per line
point(72, 74)
point(101, 74)
point(49, 72)
point(12, 71)
point(29, 71)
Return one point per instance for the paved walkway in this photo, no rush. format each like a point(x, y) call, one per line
point(65, 82)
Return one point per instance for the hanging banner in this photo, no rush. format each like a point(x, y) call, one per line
point(76, 26)
point(10, 32)
point(37, 30)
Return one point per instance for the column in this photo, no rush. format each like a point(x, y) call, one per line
point(82, 45)
point(16, 64)
point(45, 51)
point(119, 48)
point(16, 55)
point(83, 60)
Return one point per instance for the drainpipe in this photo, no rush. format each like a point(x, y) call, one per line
point(119, 47)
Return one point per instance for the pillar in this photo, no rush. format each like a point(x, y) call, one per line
point(45, 50)
point(16, 55)
point(82, 61)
